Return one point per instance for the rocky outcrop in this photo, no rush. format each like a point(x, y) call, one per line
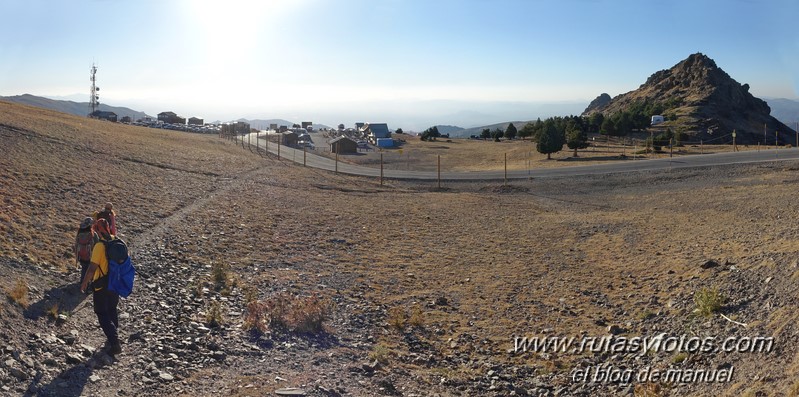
point(597, 104)
point(701, 99)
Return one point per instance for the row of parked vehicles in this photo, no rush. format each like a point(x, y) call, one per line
point(203, 129)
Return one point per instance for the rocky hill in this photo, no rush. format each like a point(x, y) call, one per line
point(701, 99)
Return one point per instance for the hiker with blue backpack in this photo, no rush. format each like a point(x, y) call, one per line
point(111, 274)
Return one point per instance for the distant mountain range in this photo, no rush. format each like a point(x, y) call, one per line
point(785, 110)
point(264, 124)
point(71, 107)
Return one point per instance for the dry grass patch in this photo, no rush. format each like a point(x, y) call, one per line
point(19, 293)
point(286, 312)
point(649, 390)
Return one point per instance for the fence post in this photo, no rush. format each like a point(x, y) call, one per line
point(303, 156)
point(381, 169)
point(278, 146)
point(336, 148)
point(439, 171)
point(257, 145)
point(671, 147)
point(506, 169)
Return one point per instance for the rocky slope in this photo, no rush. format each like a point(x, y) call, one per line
point(699, 97)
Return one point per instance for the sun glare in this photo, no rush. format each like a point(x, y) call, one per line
point(235, 25)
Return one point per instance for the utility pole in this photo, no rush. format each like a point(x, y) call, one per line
point(734, 147)
point(671, 147)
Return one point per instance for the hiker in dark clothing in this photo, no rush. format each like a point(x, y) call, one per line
point(105, 301)
point(84, 243)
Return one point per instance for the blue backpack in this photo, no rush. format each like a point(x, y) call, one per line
point(120, 269)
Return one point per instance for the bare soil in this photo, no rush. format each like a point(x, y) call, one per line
point(468, 267)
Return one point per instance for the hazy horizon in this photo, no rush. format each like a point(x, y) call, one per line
point(409, 63)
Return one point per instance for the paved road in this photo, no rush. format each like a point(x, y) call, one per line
point(752, 156)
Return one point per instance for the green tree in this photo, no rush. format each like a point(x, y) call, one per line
point(526, 131)
point(510, 132)
point(485, 134)
point(496, 134)
point(576, 138)
point(399, 131)
point(608, 127)
point(595, 122)
point(430, 134)
point(550, 139)
point(624, 123)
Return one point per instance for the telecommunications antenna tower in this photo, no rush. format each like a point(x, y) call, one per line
point(94, 99)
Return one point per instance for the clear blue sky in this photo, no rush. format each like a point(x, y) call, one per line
point(409, 62)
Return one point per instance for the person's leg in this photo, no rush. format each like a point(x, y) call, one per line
point(84, 265)
point(105, 306)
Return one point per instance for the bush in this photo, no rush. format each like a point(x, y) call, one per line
point(19, 293)
point(708, 301)
point(397, 318)
point(380, 353)
point(648, 390)
point(416, 318)
point(219, 275)
point(213, 317)
point(286, 312)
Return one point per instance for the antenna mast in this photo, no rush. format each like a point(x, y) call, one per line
point(94, 99)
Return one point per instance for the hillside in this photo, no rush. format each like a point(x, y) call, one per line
point(71, 107)
point(256, 275)
point(701, 99)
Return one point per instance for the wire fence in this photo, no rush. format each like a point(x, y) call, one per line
point(521, 155)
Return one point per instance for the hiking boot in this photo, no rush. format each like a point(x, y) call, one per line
point(113, 348)
point(116, 348)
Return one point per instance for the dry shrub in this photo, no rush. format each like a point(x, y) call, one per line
point(648, 390)
point(708, 301)
point(380, 353)
point(308, 314)
point(397, 318)
point(257, 317)
point(416, 318)
point(213, 316)
point(288, 312)
point(19, 293)
point(219, 274)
